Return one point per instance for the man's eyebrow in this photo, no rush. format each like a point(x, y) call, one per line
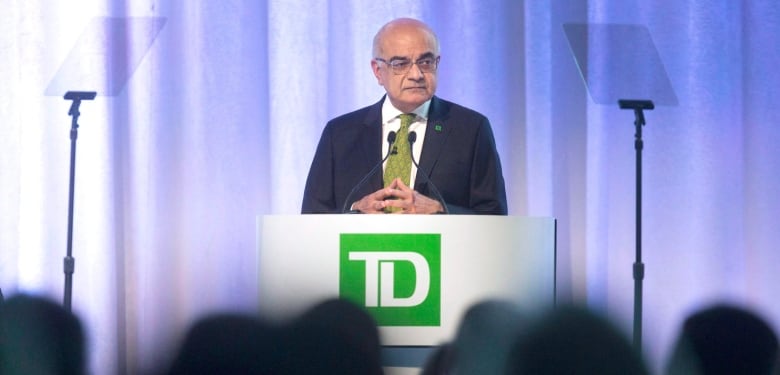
point(397, 58)
point(426, 55)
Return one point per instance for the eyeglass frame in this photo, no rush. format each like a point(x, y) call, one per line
point(394, 68)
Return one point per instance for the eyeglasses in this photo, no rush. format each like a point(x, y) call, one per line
point(426, 64)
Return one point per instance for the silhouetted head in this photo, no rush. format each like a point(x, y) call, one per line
point(333, 337)
point(484, 338)
point(228, 344)
point(574, 341)
point(724, 340)
point(38, 336)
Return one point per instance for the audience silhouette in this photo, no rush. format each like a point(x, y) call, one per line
point(724, 339)
point(485, 337)
point(38, 336)
point(228, 344)
point(573, 340)
point(333, 337)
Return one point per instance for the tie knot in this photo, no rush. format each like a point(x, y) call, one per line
point(407, 119)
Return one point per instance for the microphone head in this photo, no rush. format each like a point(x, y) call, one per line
point(412, 137)
point(391, 137)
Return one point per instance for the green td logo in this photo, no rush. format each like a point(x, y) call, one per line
point(397, 277)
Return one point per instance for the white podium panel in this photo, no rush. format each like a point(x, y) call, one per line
point(417, 274)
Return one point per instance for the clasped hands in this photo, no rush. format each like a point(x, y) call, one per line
point(397, 194)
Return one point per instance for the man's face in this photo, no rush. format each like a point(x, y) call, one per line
point(407, 47)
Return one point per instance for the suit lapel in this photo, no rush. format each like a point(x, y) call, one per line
point(436, 133)
point(371, 141)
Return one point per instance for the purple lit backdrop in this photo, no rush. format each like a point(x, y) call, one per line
point(220, 120)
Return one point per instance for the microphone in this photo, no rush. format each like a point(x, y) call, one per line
point(412, 137)
point(390, 139)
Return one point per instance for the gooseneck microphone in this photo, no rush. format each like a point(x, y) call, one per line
point(412, 137)
point(347, 202)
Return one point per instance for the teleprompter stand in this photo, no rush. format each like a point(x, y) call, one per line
point(118, 44)
point(618, 61)
point(638, 106)
point(69, 263)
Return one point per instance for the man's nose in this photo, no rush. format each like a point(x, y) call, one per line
point(415, 72)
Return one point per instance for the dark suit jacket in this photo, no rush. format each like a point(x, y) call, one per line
point(459, 154)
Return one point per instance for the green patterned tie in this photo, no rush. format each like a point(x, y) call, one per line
point(399, 164)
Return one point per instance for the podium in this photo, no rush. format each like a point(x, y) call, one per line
point(416, 274)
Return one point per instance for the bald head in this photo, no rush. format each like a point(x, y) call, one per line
point(400, 47)
point(403, 26)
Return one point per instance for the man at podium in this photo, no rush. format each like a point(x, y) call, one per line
point(368, 160)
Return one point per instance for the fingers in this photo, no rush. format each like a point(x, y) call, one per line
point(426, 205)
point(399, 206)
point(399, 184)
point(416, 203)
point(397, 195)
point(394, 195)
point(372, 203)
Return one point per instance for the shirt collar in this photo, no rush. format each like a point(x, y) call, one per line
point(389, 112)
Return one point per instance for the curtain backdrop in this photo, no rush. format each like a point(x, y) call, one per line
point(216, 120)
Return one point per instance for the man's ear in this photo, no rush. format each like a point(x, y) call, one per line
point(377, 73)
